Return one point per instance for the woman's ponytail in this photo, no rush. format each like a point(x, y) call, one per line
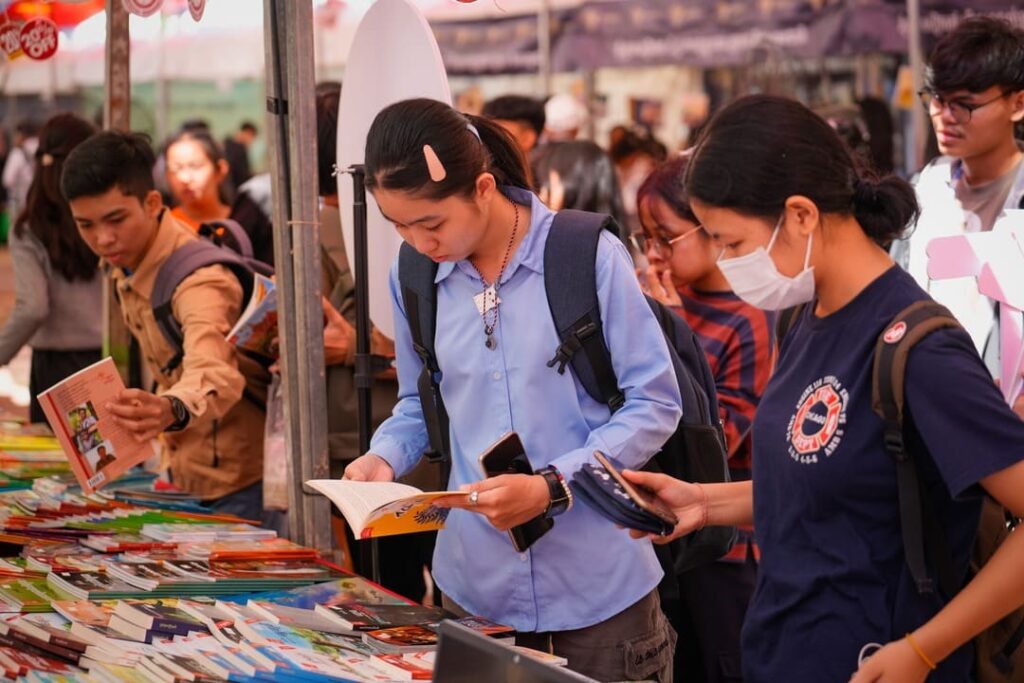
point(885, 208)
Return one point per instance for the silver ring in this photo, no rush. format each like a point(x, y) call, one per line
point(474, 497)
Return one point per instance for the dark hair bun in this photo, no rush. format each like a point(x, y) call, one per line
point(885, 208)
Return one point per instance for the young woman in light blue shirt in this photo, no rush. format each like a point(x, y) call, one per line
point(455, 186)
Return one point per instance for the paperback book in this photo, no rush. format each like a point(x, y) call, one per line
point(375, 509)
point(97, 448)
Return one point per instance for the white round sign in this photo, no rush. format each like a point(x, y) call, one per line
point(393, 57)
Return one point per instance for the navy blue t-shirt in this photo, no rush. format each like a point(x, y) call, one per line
point(833, 576)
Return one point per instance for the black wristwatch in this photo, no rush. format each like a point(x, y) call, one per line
point(558, 489)
point(181, 415)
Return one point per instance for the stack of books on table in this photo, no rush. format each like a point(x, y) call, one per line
point(96, 589)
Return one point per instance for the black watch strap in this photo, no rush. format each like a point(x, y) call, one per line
point(558, 489)
point(181, 415)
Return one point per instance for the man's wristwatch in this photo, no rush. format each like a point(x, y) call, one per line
point(181, 415)
point(558, 489)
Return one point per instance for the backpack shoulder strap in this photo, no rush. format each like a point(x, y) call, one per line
point(892, 351)
point(416, 275)
point(570, 280)
point(228, 233)
point(182, 262)
point(784, 321)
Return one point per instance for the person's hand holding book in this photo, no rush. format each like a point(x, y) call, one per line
point(369, 467)
point(142, 414)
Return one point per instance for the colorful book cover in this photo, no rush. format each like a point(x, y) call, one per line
point(401, 639)
point(85, 612)
point(256, 329)
point(400, 669)
point(97, 448)
point(374, 617)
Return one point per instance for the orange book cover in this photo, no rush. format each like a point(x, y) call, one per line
point(97, 448)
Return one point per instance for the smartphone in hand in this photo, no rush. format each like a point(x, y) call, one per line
point(642, 498)
point(507, 456)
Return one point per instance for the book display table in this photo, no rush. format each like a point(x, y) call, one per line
point(134, 583)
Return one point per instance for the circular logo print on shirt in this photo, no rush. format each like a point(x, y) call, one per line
point(816, 427)
point(895, 333)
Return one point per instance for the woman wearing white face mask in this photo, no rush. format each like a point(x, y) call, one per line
point(778, 190)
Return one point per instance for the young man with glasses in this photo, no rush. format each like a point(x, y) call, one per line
point(974, 95)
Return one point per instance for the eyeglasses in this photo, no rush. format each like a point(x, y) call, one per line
point(642, 242)
point(934, 103)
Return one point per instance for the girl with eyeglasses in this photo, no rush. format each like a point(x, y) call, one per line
point(736, 337)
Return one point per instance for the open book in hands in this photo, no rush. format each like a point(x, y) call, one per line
point(375, 508)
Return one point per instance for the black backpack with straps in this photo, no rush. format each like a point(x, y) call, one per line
point(695, 452)
point(999, 657)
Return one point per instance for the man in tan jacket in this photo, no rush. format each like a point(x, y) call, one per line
point(212, 426)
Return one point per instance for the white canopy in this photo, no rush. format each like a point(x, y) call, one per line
point(226, 45)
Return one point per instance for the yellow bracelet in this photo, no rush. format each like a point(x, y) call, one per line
point(920, 653)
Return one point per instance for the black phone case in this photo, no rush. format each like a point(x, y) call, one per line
point(509, 457)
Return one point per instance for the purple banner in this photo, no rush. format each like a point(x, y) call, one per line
point(700, 32)
point(494, 46)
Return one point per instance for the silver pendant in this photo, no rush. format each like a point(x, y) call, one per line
point(491, 343)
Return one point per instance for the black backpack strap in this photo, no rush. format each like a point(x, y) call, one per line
point(416, 274)
point(892, 350)
point(182, 262)
point(570, 280)
point(784, 321)
point(228, 233)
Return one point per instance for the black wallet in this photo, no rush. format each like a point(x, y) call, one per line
point(602, 487)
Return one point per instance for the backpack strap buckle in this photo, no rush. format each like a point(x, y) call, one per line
point(434, 457)
point(894, 442)
point(571, 345)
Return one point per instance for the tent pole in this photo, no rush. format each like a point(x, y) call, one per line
point(918, 122)
point(544, 46)
point(290, 91)
point(117, 106)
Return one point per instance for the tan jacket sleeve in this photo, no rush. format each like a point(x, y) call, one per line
point(207, 304)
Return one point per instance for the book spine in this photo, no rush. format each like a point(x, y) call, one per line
point(68, 643)
point(48, 649)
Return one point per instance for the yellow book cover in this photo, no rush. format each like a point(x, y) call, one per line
point(375, 509)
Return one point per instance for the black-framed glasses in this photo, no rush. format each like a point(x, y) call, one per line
point(934, 103)
point(642, 242)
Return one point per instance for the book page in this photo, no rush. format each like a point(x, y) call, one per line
point(97, 448)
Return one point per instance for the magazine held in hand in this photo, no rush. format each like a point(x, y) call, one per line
point(256, 329)
point(98, 449)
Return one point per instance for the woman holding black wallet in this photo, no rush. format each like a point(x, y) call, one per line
point(456, 188)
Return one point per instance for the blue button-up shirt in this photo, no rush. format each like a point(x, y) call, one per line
point(584, 570)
